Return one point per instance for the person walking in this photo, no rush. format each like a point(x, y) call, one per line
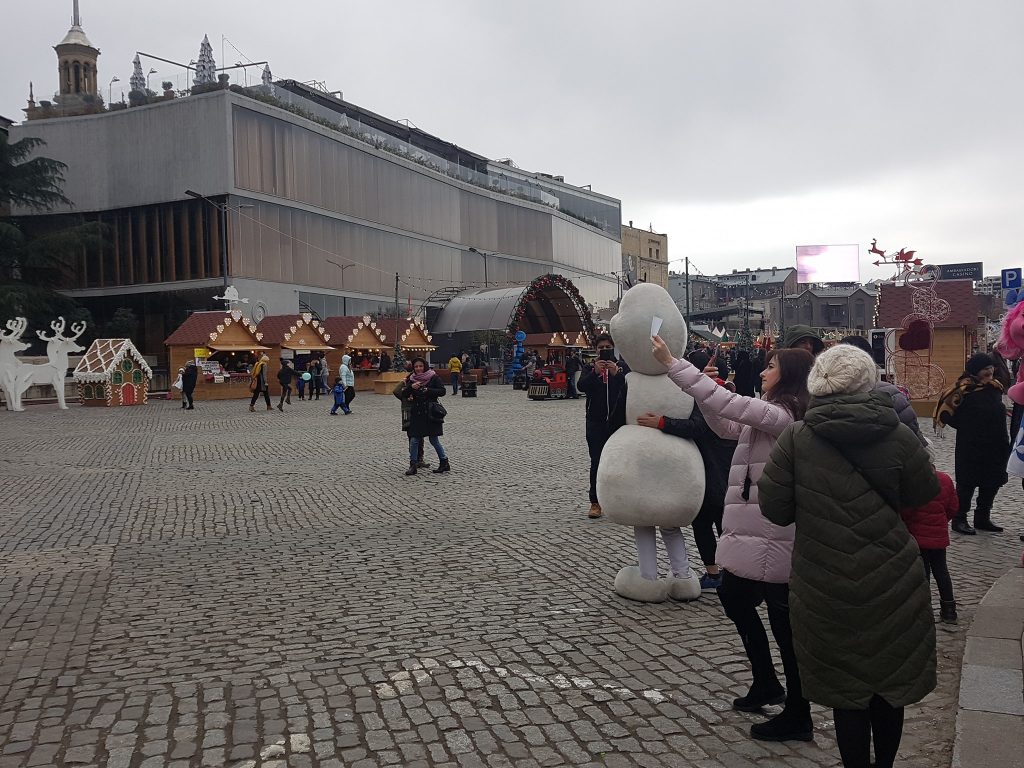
point(258, 383)
point(348, 381)
point(455, 369)
point(929, 525)
point(406, 415)
point(188, 383)
point(179, 386)
point(422, 389)
point(301, 380)
point(339, 396)
point(755, 555)
point(974, 407)
point(604, 384)
point(860, 606)
point(284, 378)
point(316, 381)
point(572, 367)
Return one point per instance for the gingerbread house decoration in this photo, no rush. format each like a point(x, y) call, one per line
point(415, 338)
point(113, 372)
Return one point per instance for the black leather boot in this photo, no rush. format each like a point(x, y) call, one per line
point(444, 466)
point(412, 468)
point(947, 612)
point(960, 525)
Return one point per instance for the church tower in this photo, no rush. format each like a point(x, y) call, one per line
point(76, 63)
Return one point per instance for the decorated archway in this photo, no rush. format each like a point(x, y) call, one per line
point(550, 304)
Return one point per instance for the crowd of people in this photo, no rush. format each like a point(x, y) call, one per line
point(828, 510)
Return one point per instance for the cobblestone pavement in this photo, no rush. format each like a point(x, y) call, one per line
point(218, 587)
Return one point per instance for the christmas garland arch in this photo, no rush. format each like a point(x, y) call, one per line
point(534, 291)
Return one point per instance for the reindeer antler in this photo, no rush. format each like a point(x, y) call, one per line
point(17, 327)
point(78, 329)
point(58, 330)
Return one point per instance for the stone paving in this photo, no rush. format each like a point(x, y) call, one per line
point(225, 588)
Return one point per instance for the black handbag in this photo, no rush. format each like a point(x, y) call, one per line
point(436, 412)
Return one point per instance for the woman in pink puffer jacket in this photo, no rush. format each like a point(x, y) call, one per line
point(754, 554)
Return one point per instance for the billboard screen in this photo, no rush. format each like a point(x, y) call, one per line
point(828, 263)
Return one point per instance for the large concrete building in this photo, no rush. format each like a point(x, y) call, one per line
point(312, 204)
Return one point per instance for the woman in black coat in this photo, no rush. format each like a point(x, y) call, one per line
point(744, 375)
point(974, 407)
point(422, 389)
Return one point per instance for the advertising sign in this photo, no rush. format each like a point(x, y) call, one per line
point(828, 263)
point(971, 270)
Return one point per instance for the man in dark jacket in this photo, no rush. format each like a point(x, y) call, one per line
point(604, 384)
point(572, 367)
point(188, 382)
point(284, 378)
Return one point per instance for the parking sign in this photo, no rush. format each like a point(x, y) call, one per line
point(1011, 278)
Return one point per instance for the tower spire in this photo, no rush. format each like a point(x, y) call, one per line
point(76, 19)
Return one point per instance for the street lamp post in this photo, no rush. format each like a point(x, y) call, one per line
point(485, 255)
point(223, 208)
point(110, 88)
point(342, 267)
point(151, 72)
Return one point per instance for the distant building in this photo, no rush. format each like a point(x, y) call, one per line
point(727, 299)
point(300, 200)
point(644, 256)
point(852, 307)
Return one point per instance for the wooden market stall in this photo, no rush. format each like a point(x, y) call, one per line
point(299, 338)
point(363, 339)
point(224, 345)
point(416, 340)
point(932, 333)
point(550, 346)
point(113, 372)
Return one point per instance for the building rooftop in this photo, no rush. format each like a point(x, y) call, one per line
point(760, 276)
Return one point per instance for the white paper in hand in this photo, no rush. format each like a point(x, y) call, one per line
point(656, 325)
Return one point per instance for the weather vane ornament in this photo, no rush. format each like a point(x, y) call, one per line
point(231, 298)
point(903, 259)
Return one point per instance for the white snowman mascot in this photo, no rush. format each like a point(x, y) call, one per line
point(646, 478)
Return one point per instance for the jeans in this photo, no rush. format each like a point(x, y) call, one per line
point(935, 563)
point(740, 598)
point(416, 453)
point(570, 386)
point(598, 433)
point(708, 519)
point(455, 383)
point(855, 727)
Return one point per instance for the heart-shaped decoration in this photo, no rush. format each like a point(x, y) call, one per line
point(918, 335)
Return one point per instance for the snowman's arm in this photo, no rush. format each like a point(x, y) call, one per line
point(725, 410)
point(775, 489)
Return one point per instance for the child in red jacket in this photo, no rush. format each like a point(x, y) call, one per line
point(929, 525)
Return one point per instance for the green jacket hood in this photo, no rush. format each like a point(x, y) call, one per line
point(845, 419)
point(797, 332)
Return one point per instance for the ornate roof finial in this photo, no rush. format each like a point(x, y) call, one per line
point(31, 95)
point(206, 67)
point(137, 80)
point(76, 20)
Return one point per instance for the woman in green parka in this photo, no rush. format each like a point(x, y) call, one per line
point(859, 601)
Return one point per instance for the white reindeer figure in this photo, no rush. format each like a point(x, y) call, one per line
point(10, 344)
point(54, 370)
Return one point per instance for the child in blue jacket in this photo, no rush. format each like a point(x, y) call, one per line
point(339, 398)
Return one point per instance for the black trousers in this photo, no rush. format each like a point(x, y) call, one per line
point(350, 395)
point(187, 394)
point(704, 525)
point(256, 396)
point(935, 563)
point(855, 727)
point(598, 433)
point(740, 598)
point(983, 511)
point(286, 392)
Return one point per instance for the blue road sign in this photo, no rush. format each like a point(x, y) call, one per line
point(1011, 278)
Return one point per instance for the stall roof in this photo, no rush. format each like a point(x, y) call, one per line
point(346, 327)
point(479, 310)
point(282, 330)
point(236, 347)
point(201, 329)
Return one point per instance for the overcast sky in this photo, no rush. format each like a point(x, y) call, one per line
point(740, 128)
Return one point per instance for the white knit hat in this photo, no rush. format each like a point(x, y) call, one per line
point(842, 370)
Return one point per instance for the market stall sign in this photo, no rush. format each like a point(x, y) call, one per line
point(201, 352)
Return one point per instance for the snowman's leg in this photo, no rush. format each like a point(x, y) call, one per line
point(647, 550)
point(683, 583)
point(642, 583)
point(675, 545)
